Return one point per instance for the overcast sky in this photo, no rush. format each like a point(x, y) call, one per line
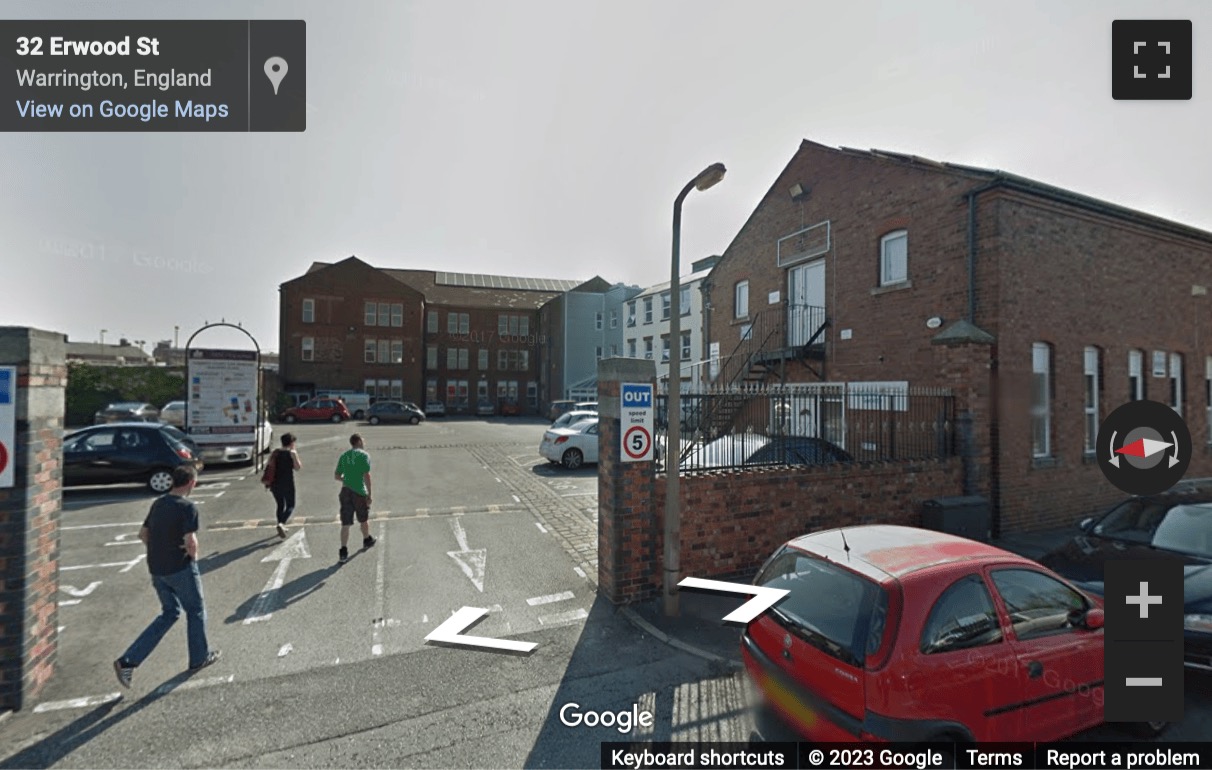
point(549, 139)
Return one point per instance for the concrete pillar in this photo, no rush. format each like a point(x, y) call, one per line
point(29, 515)
point(630, 538)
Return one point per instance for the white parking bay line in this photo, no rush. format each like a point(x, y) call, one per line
point(563, 618)
point(550, 598)
point(541, 527)
point(135, 524)
point(76, 703)
point(578, 494)
point(193, 684)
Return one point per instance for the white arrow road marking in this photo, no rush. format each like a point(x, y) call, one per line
point(295, 547)
point(285, 650)
point(449, 632)
point(126, 565)
point(73, 591)
point(69, 602)
point(123, 539)
point(76, 703)
point(471, 562)
point(763, 598)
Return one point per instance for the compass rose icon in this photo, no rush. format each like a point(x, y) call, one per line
point(1144, 447)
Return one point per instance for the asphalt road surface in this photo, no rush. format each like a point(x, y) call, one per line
point(326, 665)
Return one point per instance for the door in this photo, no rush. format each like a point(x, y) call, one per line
point(1060, 666)
point(805, 301)
point(591, 446)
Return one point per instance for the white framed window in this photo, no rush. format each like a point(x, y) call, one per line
point(631, 314)
point(464, 323)
point(452, 358)
point(532, 394)
point(369, 387)
point(666, 304)
point(384, 387)
point(384, 351)
point(431, 357)
point(309, 311)
point(614, 319)
point(371, 313)
point(1041, 399)
point(503, 360)
point(685, 346)
point(452, 323)
point(524, 326)
point(598, 352)
point(614, 350)
point(684, 301)
point(647, 310)
point(1176, 382)
point(308, 351)
point(514, 325)
point(648, 347)
point(740, 301)
point(597, 321)
point(631, 348)
point(397, 314)
point(1093, 386)
point(370, 351)
point(502, 325)
point(464, 358)
point(1136, 375)
point(397, 389)
point(397, 351)
point(384, 314)
point(482, 360)
point(894, 258)
point(665, 348)
point(432, 322)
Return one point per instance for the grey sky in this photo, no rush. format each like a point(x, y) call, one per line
point(550, 138)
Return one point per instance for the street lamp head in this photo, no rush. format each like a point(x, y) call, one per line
point(709, 177)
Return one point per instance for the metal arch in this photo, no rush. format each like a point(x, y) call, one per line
point(258, 465)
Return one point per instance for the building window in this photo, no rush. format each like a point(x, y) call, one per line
point(523, 360)
point(464, 358)
point(452, 358)
point(397, 389)
point(684, 301)
point(647, 310)
point(384, 314)
point(665, 347)
point(597, 321)
point(631, 314)
point(648, 347)
point(532, 394)
point(309, 349)
point(741, 300)
point(397, 351)
point(614, 319)
point(309, 311)
point(614, 350)
point(371, 313)
point(1136, 377)
point(1041, 399)
point(598, 352)
point(482, 360)
point(431, 390)
point(524, 326)
point(369, 351)
point(433, 322)
point(1176, 382)
point(685, 346)
point(369, 387)
point(513, 325)
point(894, 258)
point(464, 323)
point(384, 387)
point(431, 357)
point(666, 299)
point(513, 360)
point(384, 351)
point(631, 348)
point(1093, 386)
point(397, 315)
point(452, 323)
point(502, 325)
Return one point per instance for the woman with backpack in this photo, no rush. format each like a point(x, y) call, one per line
point(279, 478)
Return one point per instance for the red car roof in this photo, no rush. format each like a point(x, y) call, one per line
point(880, 551)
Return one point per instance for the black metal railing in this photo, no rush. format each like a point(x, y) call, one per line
point(809, 424)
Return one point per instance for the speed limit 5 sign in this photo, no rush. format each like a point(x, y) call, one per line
point(635, 422)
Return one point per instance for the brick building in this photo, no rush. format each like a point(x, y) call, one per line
point(1042, 309)
point(419, 335)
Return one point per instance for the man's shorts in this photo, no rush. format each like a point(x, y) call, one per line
point(351, 503)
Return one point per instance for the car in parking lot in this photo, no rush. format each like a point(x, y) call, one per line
point(585, 406)
point(892, 633)
point(394, 411)
point(558, 408)
point(510, 408)
point(1176, 524)
point(227, 454)
point(485, 408)
point(571, 446)
point(318, 409)
point(127, 411)
point(435, 409)
point(125, 453)
point(173, 413)
point(568, 418)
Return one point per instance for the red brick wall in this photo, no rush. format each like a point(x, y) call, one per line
point(29, 521)
point(483, 334)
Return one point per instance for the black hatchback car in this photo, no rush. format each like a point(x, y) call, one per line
point(394, 411)
point(1175, 524)
point(126, 453)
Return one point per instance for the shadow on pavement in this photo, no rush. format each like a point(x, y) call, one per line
point(218, 560)
point(55, 747)
point(289, 593)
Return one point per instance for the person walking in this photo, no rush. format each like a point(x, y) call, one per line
point(353, 471)
point(170, 533)
point(286, 462)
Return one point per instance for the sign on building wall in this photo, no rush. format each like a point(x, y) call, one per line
point(8, 424)
point(222, 396)
point(635, 423)
point(713, 353)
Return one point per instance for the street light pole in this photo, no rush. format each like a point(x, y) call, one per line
point(673, 401)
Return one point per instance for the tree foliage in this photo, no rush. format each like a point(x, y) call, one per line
point(91, 388)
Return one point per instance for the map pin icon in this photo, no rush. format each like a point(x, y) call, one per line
point(275, 70)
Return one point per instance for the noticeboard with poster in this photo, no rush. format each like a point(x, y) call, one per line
point(222, 396)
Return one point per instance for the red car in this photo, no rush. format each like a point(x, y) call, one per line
point(330, 409)
point(901, 634)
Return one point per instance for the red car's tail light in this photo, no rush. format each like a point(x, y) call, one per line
point(184, 453)
point(561, 439)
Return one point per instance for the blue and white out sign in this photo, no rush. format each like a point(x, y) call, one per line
point(8, 424)
point(635, 421)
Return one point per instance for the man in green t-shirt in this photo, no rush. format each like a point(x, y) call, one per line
point(353, 471)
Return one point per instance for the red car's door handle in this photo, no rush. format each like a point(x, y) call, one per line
point(1035, 669)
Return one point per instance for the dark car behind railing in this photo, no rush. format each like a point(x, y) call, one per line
point(127, 411)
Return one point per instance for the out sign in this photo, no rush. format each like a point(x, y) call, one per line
point(635, 422)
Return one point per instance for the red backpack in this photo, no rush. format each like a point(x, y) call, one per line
point(271, 469)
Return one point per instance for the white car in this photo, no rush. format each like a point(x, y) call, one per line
point(569, 418)
point(173, 413)
point(572, 446)
point(217, 454)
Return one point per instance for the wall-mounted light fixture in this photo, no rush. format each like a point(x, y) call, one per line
point(799, 192)
point(934, 323)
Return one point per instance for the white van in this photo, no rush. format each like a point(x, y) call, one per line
point(356, 403)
